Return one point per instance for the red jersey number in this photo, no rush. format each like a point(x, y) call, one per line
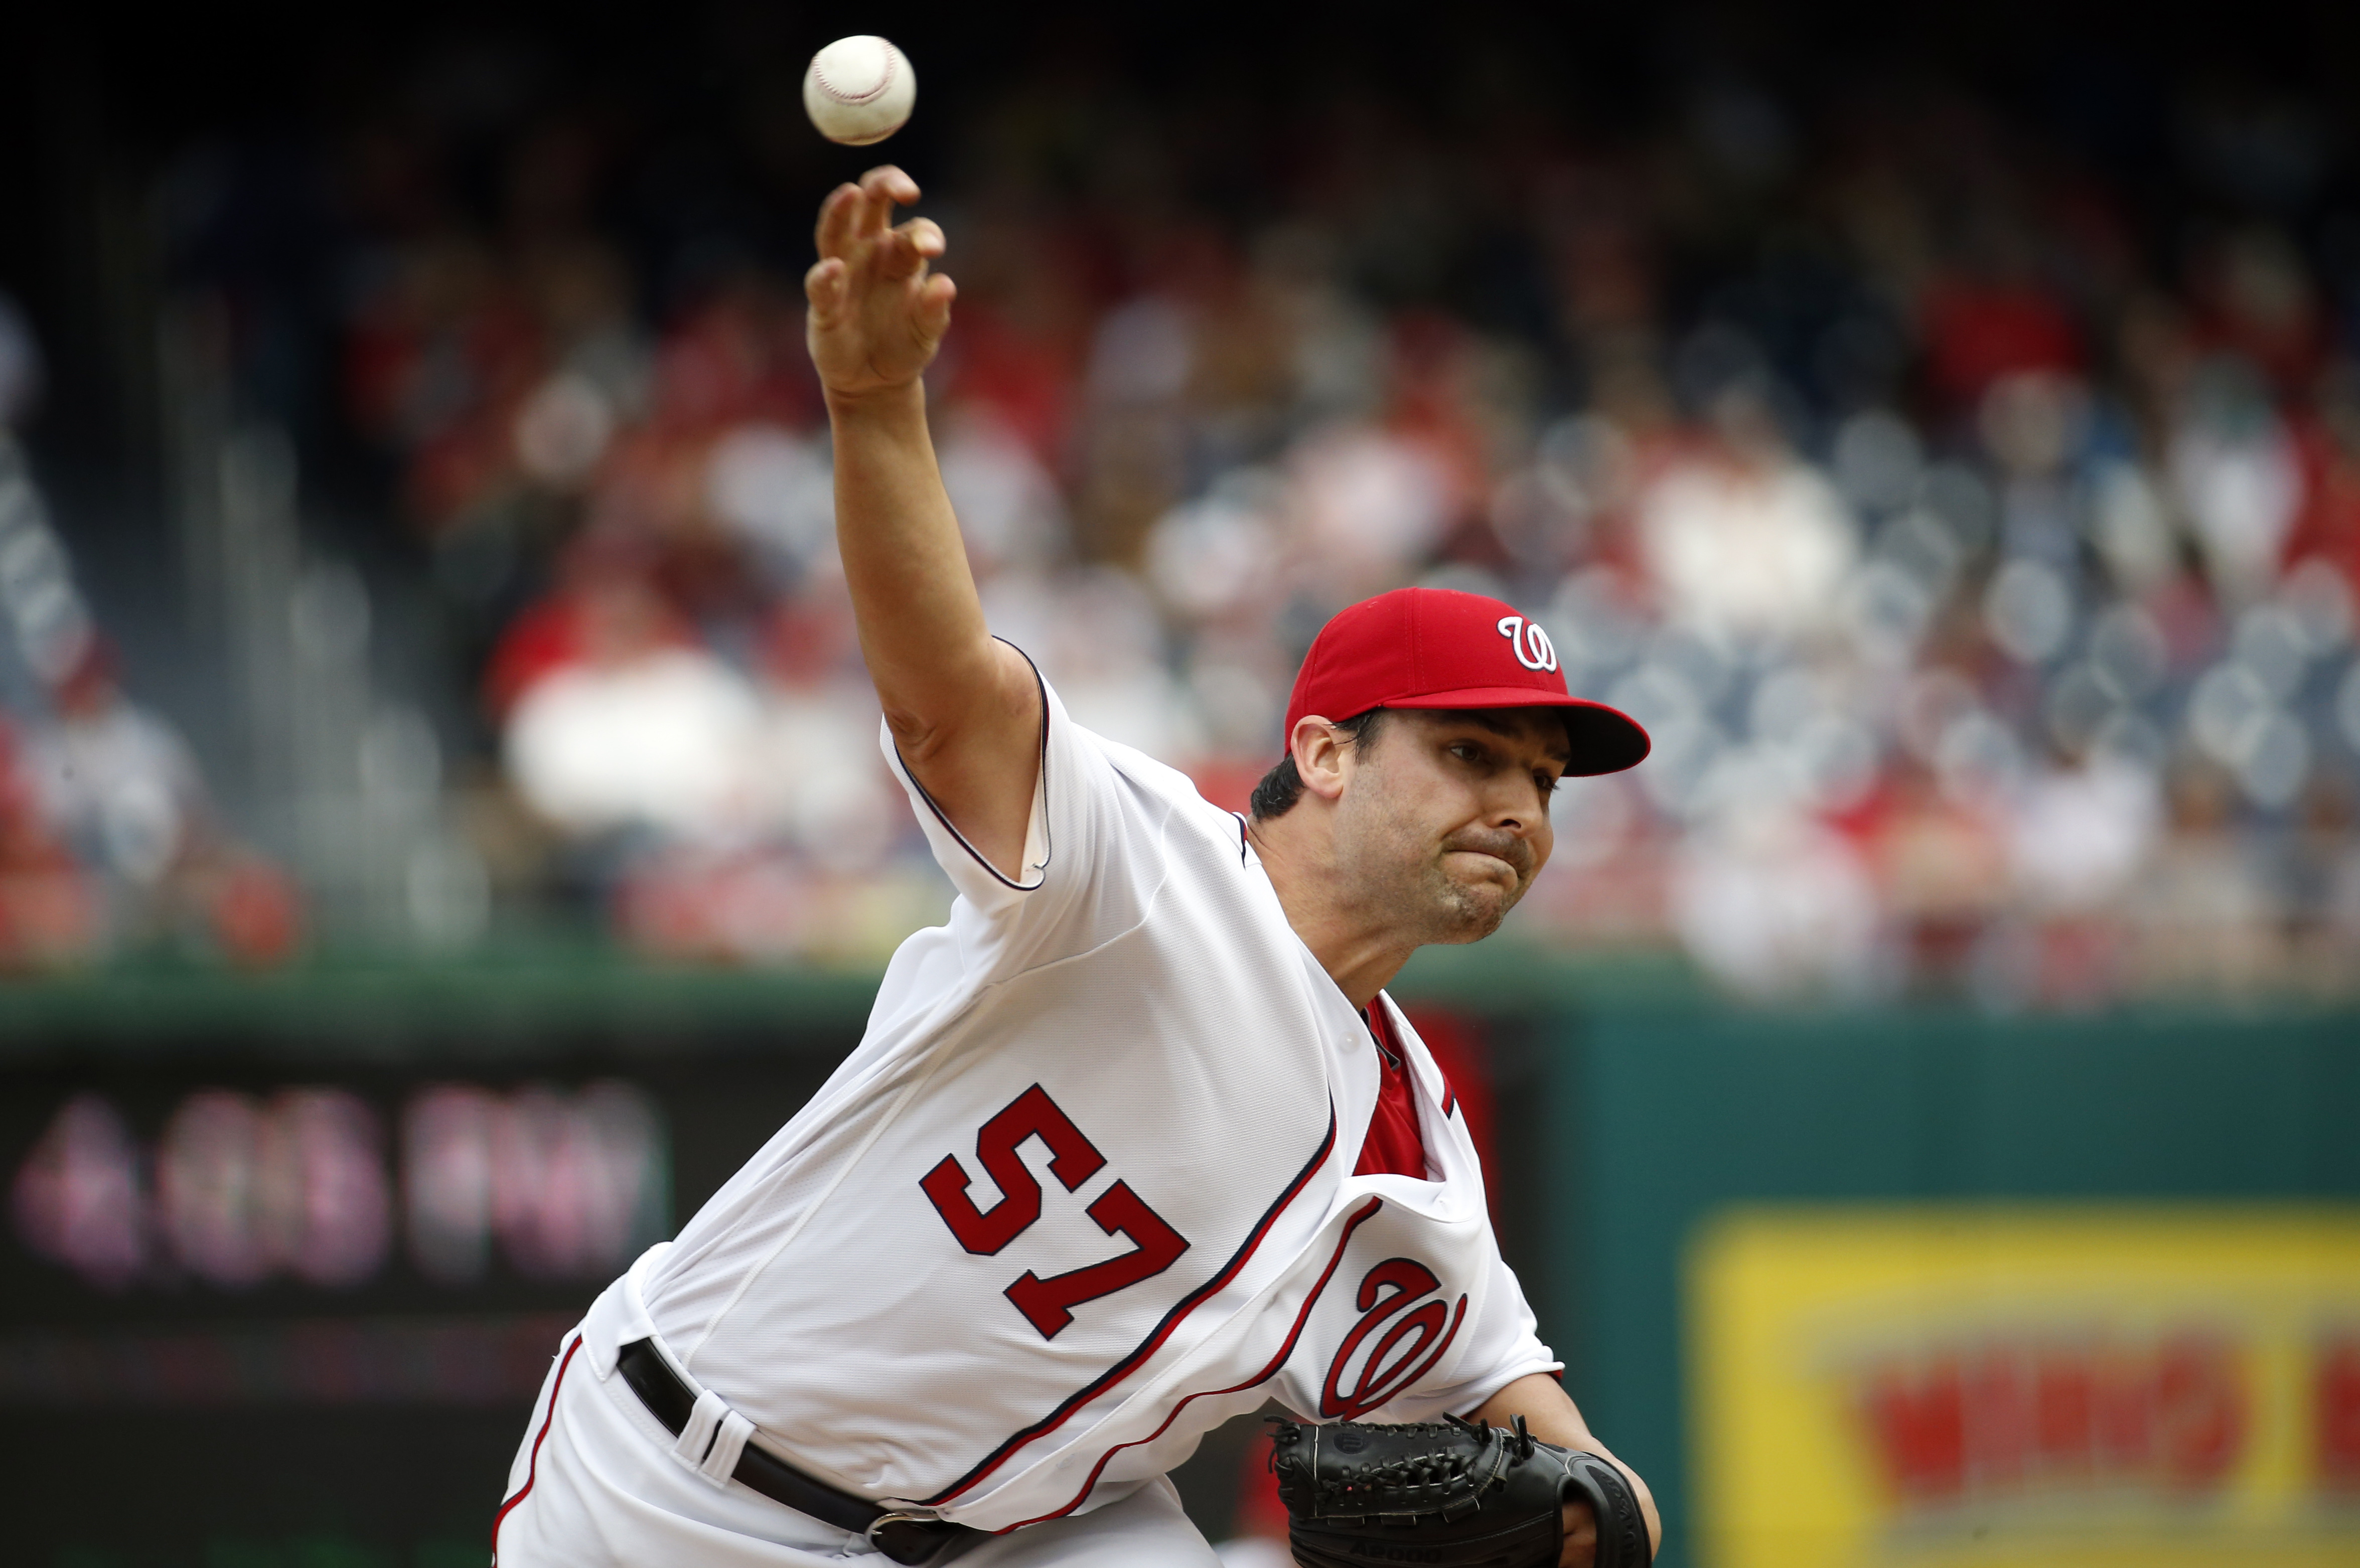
point(1048, 1304)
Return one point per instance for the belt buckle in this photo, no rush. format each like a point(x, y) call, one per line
point(882, 1521)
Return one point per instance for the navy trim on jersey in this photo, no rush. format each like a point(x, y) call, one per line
point(1048, 842)
point(1269, 1371)
point(1242, 825)
point(1154, 1341)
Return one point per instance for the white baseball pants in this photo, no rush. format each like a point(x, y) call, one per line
point(595, 1485)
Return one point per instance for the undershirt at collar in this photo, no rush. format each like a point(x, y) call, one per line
point(1393, 1146)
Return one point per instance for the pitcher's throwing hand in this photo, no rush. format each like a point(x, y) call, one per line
point(877, 309)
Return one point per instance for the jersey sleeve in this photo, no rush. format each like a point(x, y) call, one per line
point(1504, 1345)
point(1092, 851)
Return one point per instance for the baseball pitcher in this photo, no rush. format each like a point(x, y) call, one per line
point(1135, 1142)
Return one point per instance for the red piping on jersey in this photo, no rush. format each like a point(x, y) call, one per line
point(1364, 1211)
point(532, 1464)
point(1154, 1341)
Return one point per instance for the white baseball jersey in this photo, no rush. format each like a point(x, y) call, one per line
point(1084, 1190)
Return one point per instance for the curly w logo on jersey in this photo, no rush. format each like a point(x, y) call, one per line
point(1404, 1327)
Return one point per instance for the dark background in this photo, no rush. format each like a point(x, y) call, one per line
point(148, 1476)
point(100, 99)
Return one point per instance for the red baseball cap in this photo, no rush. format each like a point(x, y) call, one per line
point(1437, 648)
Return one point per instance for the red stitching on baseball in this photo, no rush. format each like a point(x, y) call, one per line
point(842, 97)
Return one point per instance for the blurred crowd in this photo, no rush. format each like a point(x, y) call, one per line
point(108, 843)
point(1975, 531)
point(109, 839)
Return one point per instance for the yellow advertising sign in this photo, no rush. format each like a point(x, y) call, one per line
point(1973, 1387)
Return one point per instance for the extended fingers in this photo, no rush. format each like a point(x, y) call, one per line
point(885, 185)
point(923, 235)
point(854, 212)
point(839, 220)
point(824, 287)
point(932, 316)
point(908, 248)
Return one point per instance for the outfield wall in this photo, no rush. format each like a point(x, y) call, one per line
point(1994, 1203)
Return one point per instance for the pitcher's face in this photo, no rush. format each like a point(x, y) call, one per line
point(1444, 818)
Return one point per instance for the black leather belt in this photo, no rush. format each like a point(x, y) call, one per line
point(905, 1538)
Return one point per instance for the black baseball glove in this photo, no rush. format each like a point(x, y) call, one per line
point(1447, 1492)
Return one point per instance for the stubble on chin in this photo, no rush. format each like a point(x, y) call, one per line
point(1462, 913)
point(1421, 899)
point(1471, 909)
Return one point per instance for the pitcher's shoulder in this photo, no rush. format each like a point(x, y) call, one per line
point(1176, 789)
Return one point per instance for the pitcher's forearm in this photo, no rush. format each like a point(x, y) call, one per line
point(964, 709)
point(921, 628)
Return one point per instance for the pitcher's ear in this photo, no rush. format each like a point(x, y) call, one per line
point(1319, 750)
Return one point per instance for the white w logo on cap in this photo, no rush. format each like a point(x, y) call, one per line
point(1533, 648)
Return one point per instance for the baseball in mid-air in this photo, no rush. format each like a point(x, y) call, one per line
point(859, 90)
